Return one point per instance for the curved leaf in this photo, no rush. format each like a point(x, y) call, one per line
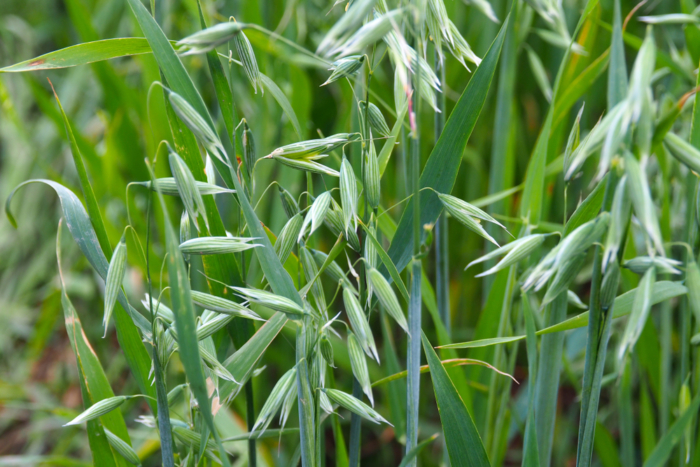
point(283, 102)
point(462, 439)
point(83, 233)
point(662, 290)
point(94, 384)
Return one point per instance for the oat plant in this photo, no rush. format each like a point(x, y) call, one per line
point(273, 193)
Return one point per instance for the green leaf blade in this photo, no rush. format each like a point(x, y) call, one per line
point(463, 442)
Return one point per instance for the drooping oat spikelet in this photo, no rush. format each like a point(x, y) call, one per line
point(387, 297)
point(98, 409)
point(348, 195)
point(217, 245)
point(316, 215)
point(115, 277)
point(247, 56)
point(207, 39)
point(354, 405)
point(222, 305)
point(122, 447)
point(288, 237)
point(271, 300)
point(359, 366)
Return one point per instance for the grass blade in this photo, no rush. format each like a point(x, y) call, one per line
point(242, 362)
point(461, 437)
point(82, 54)
point(662, 452)
point(94, 384)
point(90, 200)
point(84, 235)
point(547, 380)
point(168, 61)
point(617, 75)
point(417, 449)
point(577, 88)
point(661, 291)
point(283, 102)
point(531, 456)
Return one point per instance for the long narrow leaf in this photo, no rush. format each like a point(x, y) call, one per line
point(94, 384)
point(83, 233)
point(661, 291)
point(82, 54)
point(461, 437)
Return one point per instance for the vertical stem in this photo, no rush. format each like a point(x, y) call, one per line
point(414, 305)
point(355, 428)
point(690, 363)
point(304, 399)
point(317, 425)
point(163, 415)
point(596, 347)
point(689, 235)
point(250, 421)
point(243, 329)
point(501, 168)
point(666, 324)
point(627, 456)
point(492, 436)
point(354, 445)
point(403, 163)
point(442, 263)
point(309, 186)
point(548, 374)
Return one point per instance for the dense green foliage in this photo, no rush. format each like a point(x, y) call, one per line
point(260, 199)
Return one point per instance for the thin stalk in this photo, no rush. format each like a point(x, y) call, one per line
point(306, 423)
point(354, 445)
point(491, 443)
point(598, 334)
point(164, 429)
point(244, 329)
point(250, 422)
point(403, 164)
point(317, 425)
point(666, 324)
point(626, 416)
point(500, 170)
point(548, 374)
point(414, 305)
point(442, 263)
point(355, 420)
point(504, 417)
point(689, 235)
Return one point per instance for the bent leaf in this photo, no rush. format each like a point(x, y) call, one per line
point(84, 235)
point(461, 436)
